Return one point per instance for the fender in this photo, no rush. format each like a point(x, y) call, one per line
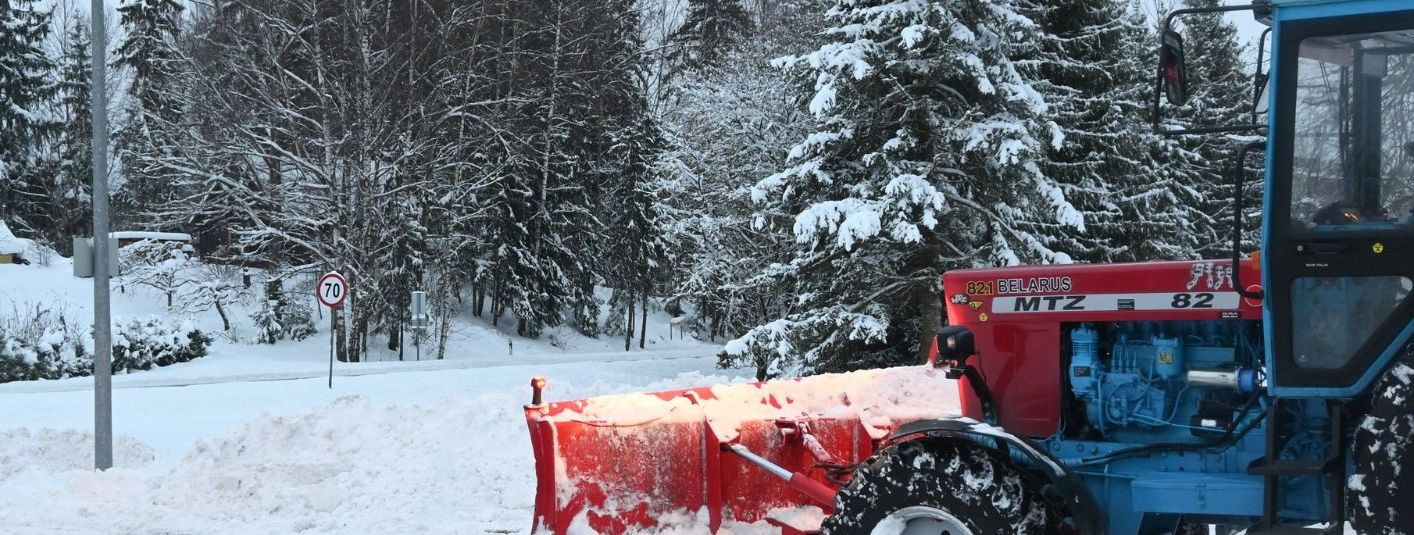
point(1064, 488)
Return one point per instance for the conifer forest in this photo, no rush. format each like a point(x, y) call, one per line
point(792, 177)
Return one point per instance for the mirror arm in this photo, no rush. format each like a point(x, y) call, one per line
point(1239, 174)
point(1168, 21)
point(1156, 117)
point(1257, 71)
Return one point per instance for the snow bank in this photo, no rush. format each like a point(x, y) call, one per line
point(25, 453)
point(458, 464)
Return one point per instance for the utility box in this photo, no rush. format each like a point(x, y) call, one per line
point(83, 257)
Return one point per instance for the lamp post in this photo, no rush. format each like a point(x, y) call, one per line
point(102, 326)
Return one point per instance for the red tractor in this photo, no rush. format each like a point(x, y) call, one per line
point(1269, 394)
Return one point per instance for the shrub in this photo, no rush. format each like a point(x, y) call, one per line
point(283, 319)
point(294, 318)
point(267, 322)
point(142, 344)
point(37, 343)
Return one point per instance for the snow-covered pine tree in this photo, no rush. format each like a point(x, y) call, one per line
point(727, 128)
point(1220, 94)
point(146, 137)
point(53, 191)
point(403, 263)
point(572, 75)
point(712, 28)
point(74, 180)
point(927, 158)
point(535, 264)
point(25, 86)
point(1133, 185)
point(639, 255)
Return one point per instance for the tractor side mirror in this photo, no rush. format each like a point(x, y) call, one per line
point(1172, 70)
point(1263, 92)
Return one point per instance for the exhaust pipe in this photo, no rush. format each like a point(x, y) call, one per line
point(822, 495)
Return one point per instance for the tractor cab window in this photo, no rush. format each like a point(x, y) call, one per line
point(1353, 157)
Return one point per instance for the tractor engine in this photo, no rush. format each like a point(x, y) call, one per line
point(1152, 377)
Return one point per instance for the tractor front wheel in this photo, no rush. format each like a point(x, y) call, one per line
point(938, 488)
point(1379, 496)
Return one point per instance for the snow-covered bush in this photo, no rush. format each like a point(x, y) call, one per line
point(142, 344)
point(282, 319)
point(294, 318)
point(267, 322)
point(39, 343)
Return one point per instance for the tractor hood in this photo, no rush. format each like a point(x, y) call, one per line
point(1149, 291)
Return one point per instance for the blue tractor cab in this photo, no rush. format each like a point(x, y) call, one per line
point(1337, 255)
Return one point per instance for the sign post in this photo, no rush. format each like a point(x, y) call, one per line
point(418, 308)
point(331, 290)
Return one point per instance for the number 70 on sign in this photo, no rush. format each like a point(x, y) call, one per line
point(332, 289)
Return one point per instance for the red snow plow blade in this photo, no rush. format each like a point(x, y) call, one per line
point(719, 455)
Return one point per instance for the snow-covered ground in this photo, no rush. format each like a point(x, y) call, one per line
point(251, 439)
point(421, 451)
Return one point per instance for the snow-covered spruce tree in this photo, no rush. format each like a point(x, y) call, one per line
point(536, 266)
point(573, 80)
point(74, 111)
point(926, 158)
point(405, 242)
point(726, 129)
point(639, 256)
point(145, 139)
point(54, 189)
point(711, 29)
point(1220, 94)
point(631, 256)
point(25, 86)
point(1134, 186)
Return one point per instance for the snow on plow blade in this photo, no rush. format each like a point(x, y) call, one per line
point(623, 463)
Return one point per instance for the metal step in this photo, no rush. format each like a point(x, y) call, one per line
point(1293, 468)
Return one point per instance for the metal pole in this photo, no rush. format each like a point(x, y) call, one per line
point(332, 315)
point(102, 337)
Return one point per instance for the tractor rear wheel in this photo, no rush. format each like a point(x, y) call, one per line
point(938, 488)
point(1379, 496)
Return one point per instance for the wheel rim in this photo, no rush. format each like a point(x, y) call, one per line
point(921, 520)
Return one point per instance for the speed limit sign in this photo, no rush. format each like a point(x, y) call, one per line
point(332, 289)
